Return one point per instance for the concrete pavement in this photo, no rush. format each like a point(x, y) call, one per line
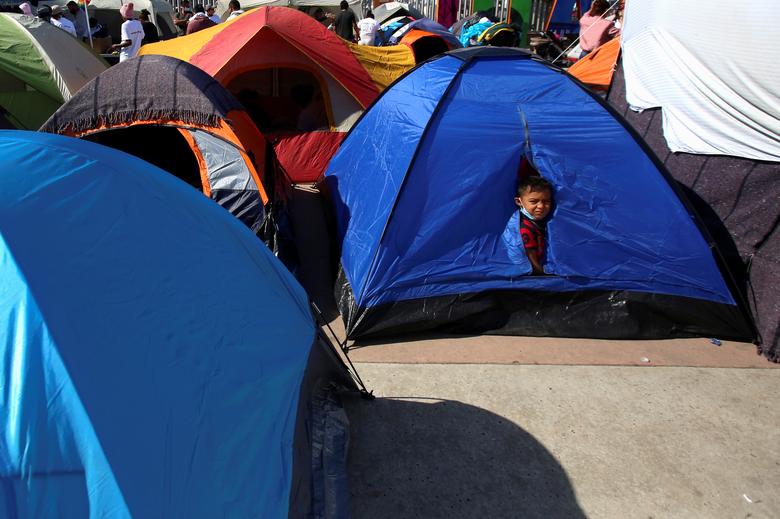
point(479, 441)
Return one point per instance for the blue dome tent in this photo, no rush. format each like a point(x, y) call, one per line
point(155, 359)
point(423, 192)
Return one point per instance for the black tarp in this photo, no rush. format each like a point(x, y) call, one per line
point(738, 200)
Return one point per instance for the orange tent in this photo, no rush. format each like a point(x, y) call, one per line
point(425, 44)
point(303, 86)
point(596, 69)
point(196, 131)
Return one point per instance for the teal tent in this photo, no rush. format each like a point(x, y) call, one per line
point(156, 360)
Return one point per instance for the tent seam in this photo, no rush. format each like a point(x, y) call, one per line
point(423, 135)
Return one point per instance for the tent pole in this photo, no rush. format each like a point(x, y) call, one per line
point(365, 393)
point(89, 28)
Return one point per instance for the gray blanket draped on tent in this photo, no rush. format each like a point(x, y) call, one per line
point(738, 200)
point(146, 90)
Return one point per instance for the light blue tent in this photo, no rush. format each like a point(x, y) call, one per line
point(423, 190)
point(155, 359)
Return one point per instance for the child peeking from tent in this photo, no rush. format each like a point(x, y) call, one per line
point(534, 199)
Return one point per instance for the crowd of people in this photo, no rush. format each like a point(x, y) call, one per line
point(137, 28)
point(348, 27)
point(600, 24)
point(188, 20)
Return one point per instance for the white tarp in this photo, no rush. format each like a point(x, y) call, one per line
point(713, 67)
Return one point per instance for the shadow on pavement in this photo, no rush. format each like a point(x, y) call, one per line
point(423, 458)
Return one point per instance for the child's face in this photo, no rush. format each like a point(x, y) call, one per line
point(537, 203)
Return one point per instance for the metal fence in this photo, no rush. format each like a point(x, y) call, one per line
point(426, 7)
point(205, 3)
point(540, 11)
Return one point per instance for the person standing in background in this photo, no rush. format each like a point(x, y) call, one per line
point(182, 17)
point(30, 7)
point(44, 13)
point(234, 8)
point(212, 16)
point(199, 20)
point(595, 29)
point(150, 30)
point(59, 21)
point(79, 18)
point(132, 34)
point(346, 23)
point(368, 27)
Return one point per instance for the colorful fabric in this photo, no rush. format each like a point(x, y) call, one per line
point(533, 236)
point(213, 49)
point(469, 36)
point(596, 69)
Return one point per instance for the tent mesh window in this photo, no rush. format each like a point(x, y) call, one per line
point(282, 99)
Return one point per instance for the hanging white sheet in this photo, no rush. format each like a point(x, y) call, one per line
point(713, 67)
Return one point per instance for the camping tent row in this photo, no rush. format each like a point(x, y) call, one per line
point(303, 86)
point(430, 238)
point(155, 357)
point(41, 66)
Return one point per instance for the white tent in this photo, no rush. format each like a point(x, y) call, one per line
point(712, 70)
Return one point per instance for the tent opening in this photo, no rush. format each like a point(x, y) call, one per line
point(21, 105)
point(5, 124)
point(163, 146)
point(282, 99)
point(428, 47)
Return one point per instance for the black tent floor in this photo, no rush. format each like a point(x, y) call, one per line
point(316, 273)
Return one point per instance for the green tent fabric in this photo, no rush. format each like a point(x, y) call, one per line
point(41, 66)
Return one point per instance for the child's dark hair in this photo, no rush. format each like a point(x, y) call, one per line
point(534, 183)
